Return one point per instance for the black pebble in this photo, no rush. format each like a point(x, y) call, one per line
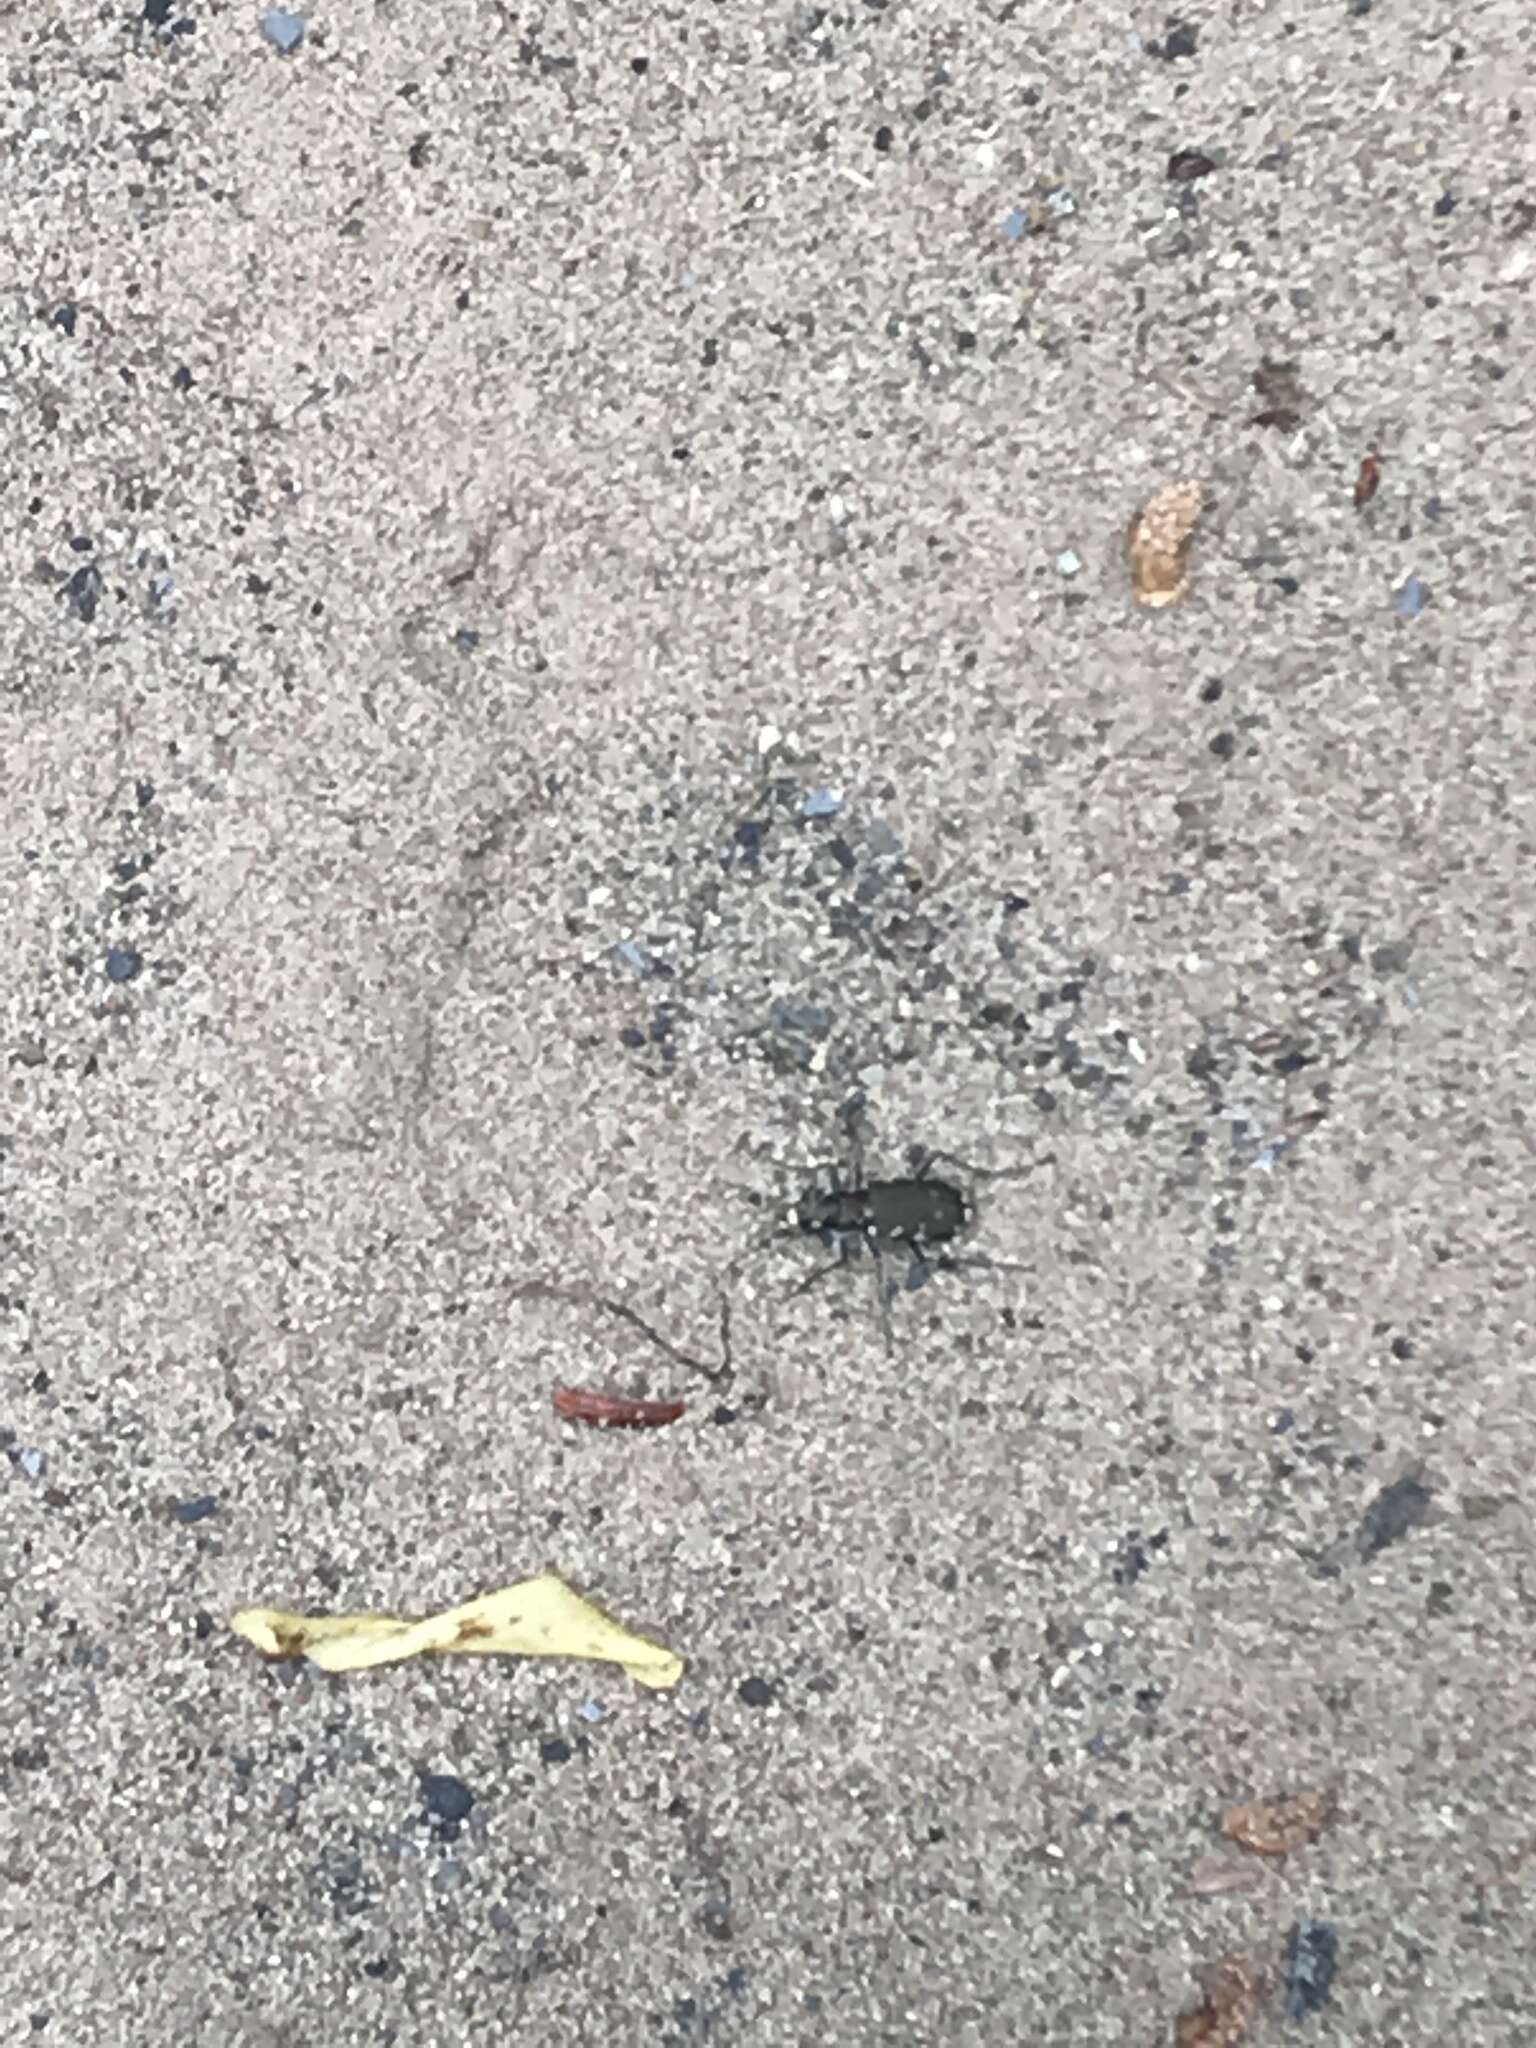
point(446, 1798)
point(123, 964)
point(1186, 165)
point(182, 378)
point(1311, 1956)
point(749, 833)
point(1224, 746)
point(632, 1037)
point(65, 316)
point(843, 854)
point(197, 1510)
point(556, 1750)
point(157, 12)
point(883, 139)
point(1396, 1510)
point(84, 592)
point(755, 1692)
point(1180, 41)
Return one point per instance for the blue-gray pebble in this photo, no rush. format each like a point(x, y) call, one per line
point(446, 1798)
point(1311, 1955)
point(283, 29)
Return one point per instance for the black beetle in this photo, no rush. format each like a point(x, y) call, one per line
point(917, 1216)
point(909, 1214)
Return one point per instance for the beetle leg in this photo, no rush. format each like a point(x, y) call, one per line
point(814, 1279)
point(884, 1289)
point(953, 1262)
point(931, 1159)
point(851, 1116)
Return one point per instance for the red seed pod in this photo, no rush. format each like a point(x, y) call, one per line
point(613, 1411)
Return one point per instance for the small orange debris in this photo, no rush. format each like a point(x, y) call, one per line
point(1158, 542)
point(1221, 2019)
point(1273, 1827)
point(1368, 482)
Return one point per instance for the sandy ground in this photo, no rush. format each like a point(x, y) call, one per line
point(565, 618)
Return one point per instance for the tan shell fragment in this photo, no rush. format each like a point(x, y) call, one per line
point(1229, 2004)
point(1214, 1874)
point(1273, 1827)
point(1159, 543)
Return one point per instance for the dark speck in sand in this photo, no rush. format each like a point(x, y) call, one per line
point(1311, 1956)
point(446, 1798)
point(83, 592)
point(1396, 1510)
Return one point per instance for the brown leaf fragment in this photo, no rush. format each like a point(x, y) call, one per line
point(1185, 165)
point(1368, 482)
point(1230, 2002)
point(1306, 1120)
point(613, 1411)
point(1273, 1827)
point(1213, 1874)
point(1158, 543)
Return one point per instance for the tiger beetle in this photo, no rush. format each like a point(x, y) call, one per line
point(911, 1216)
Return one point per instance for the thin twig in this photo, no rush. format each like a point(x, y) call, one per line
point(582, 1297)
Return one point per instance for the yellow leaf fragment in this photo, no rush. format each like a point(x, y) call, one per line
point(540, 1617)
point(1159, 543)
point(1272, 1827)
